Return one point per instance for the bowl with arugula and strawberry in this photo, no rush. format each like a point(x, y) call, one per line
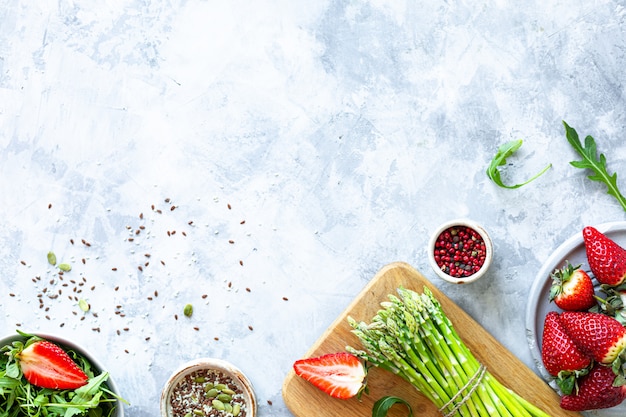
point(576, 320)
point(50, 376)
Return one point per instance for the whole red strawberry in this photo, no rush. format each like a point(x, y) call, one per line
point(595, 391)
point(595, 334)
point(572, 289)
point(561, 357)
point(606, 258)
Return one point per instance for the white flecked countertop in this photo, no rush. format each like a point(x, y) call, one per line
point(263, 160)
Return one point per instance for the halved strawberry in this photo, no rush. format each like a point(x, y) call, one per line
point(47, 365)
point(561, 357)
point(606, 258)
point(340, 375)
point(596, 334)
point(595, 390)
point(572, 289)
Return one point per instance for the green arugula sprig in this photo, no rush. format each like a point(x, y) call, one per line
point(590, 160)
point(383, 405)
point(20, 398)
point(504, 151)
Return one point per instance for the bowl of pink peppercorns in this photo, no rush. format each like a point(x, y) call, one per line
point(460, 251)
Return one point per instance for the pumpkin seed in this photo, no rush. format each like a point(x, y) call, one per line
point(212, 393)
point(208, 386)
point(199, 379)
point(236, 410)
point(84, 305)
point(52, 258)
point(228, 408)
point(228, 391)
point(198, 412)
point(225, 398)
point(218, 405)
point(65, 267)
point(221, 387)
point(188, 310)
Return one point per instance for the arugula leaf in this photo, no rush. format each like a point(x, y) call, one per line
point(383, 405)
point(590, 160)
point(504, 151)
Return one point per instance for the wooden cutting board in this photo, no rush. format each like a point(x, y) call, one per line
point(304, 400)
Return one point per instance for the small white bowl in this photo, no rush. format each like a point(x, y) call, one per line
point(488, 251)
point(222, 368)
point(69, 345)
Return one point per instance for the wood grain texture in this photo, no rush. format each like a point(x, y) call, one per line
point(304, 400)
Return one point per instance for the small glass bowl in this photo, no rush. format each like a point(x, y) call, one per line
point(69, 345)
point(192, 373)
point(488, 251)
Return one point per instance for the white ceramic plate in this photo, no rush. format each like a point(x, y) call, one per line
point(572, 250)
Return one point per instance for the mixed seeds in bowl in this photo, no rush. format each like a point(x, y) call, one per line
point(208, 387)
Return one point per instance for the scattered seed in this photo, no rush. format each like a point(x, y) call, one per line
point(188, 310)
point(250, 328)
point(52, 258)
point(248, 289)
point(114, 269)
point(229, 207)
point(72, 241)
point(204, 296)
point(231, 241)
point(196, 328)
point(49, 206)
point(285, 299)
point(84, 305)
point(65, 267)
point(241, 263)
point(141, 215)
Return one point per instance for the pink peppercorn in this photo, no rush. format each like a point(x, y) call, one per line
point(460, 251)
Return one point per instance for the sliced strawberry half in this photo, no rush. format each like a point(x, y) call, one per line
point(47, 365)
point(340, 375)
